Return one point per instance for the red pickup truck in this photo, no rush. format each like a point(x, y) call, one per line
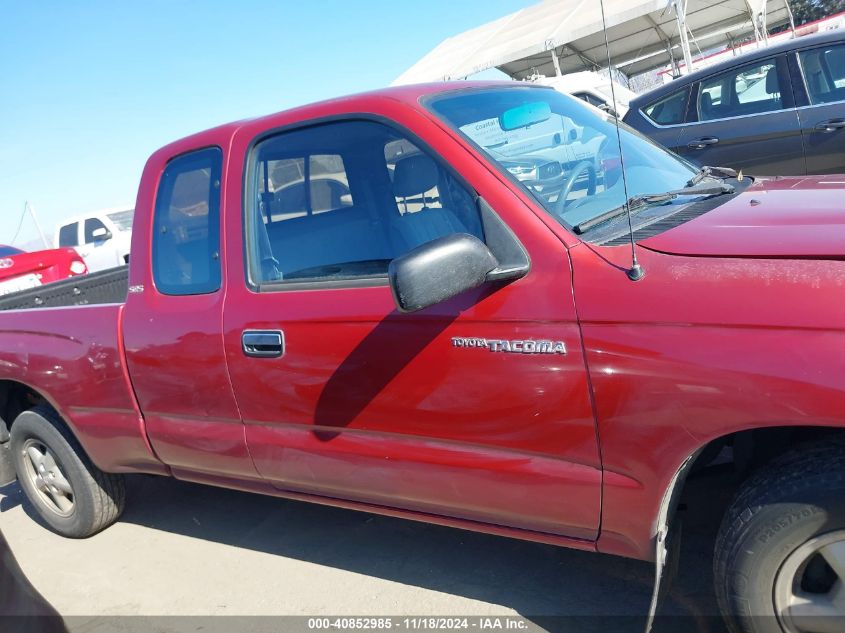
point(423, 302)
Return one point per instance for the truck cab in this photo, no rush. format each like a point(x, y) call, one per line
point(102, 239)
point(595, 88)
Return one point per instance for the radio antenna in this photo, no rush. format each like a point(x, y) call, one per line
point(636, 272)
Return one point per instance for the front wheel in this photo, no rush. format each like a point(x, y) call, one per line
point(73, 496)
point(780, 553)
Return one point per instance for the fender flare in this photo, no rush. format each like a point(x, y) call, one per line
point(664, 531)
point(5, 425)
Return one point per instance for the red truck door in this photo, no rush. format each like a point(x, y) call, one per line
point(173, 315)
point(343, 396)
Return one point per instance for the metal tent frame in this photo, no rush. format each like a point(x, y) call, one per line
point(556, 37)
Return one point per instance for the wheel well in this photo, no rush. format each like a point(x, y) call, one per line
point(15, 398)
point(745, 451)
point(729, 460)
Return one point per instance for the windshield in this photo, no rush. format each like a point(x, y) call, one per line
point(8, 251)
point(122, 219)
point(563, 151)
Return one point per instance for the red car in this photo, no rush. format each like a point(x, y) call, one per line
point(456, 331)
point(20, 270)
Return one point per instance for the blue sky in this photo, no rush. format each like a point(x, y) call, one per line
point(89, 89)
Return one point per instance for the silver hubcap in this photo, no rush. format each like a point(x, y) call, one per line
point(47, 477)
point(810, 586)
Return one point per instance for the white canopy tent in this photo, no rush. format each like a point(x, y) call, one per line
point(557, 37)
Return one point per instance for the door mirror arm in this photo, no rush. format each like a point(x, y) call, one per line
point(504, 244)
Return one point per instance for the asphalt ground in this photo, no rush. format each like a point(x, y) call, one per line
point(182, 555)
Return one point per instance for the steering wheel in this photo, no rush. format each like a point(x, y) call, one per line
point(585, 166)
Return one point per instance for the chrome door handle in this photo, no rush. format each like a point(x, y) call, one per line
point(263, 343)
point(831, 125)
point(701, 143)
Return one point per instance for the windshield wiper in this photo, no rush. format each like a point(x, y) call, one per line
point(711, 172)
point(644, 200)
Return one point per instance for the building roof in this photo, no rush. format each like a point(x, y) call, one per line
point(643, 35)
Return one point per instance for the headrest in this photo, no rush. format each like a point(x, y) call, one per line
point(414, 175)
point(811, 64)
point(772, 86)
point(706, 102)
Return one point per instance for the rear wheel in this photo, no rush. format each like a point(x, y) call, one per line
point(780, 554)
point(71, 495)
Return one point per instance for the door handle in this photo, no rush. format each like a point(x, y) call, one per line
point(701, 143)
point(263, 343)
point(830, 125)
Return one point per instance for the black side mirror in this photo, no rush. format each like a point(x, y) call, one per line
point(609, 109)
point(446, 267)
point(439, 270)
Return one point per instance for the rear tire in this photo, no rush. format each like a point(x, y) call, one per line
point(780, 554)
point(74, 497)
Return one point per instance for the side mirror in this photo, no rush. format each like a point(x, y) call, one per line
point(439, 270)
point(609, 109)
point(101, 233)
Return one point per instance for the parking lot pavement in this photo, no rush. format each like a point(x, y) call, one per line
point(186, 549)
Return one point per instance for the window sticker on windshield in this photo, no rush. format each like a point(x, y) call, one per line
point(490, 135)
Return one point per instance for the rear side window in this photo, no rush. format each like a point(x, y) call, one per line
point(69, 235)
point(93, 225)
point(186, 225)
point(591, 99)
point(748, 90)
point(824, 73)
point(669, 110)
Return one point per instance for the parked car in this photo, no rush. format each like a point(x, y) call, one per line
point(595, 89)
point(483, 358)
point(20, 270)
point(775, 111)
point(103, 238)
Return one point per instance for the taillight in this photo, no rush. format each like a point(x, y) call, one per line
point(78, 267)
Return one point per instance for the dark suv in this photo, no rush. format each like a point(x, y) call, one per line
point(777, 110)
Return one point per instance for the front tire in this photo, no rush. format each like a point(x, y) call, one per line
point(779, 561)
point(74, 497)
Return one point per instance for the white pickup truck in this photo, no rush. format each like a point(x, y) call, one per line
point(593, 88)
point(101, 238)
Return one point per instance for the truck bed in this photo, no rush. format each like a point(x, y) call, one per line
point(105, 286)
point(72, 356)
